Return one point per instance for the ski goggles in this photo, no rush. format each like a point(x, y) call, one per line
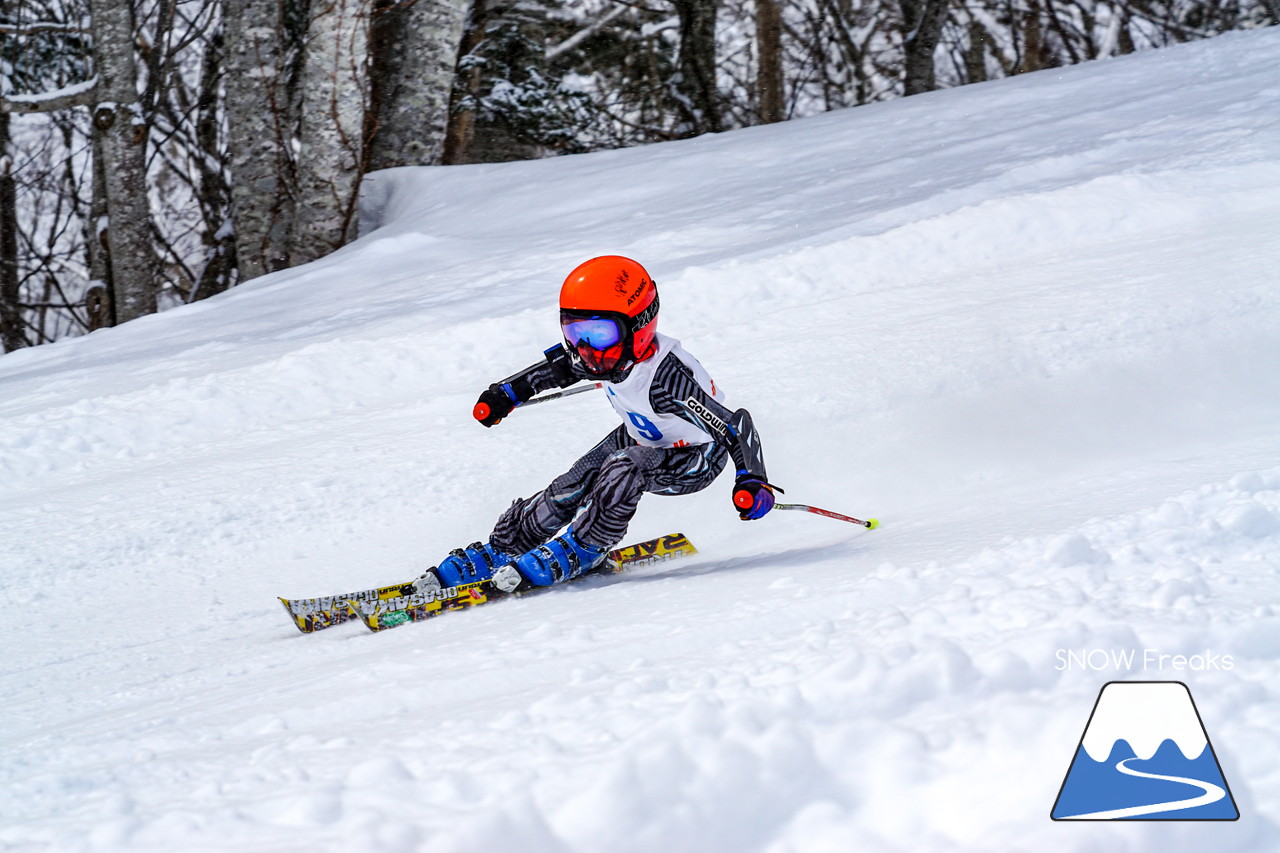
point(603, 329)
point(598, 333)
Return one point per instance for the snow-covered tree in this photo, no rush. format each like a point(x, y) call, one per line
point(507, 105)
point(46, 85)
point(694, 90)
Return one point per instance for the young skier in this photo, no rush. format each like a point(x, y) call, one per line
point(675, 437)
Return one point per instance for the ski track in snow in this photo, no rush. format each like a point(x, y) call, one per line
point(1030, 325)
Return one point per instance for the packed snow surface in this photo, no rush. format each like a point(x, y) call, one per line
point(1033, 326)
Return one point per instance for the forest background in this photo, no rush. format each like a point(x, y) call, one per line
point(158, 152)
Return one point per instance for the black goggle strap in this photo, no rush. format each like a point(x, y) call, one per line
point(646, 316)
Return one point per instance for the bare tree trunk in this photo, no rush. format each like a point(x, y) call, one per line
point(120, 125)
point(922, 20)
point(101, 311)
point(697, 99)
point(1124, 42)
point(1035, 54)
point(331, 133)
point(975, 55)
point(213, 192)
point(12, 335)
point(260, 126)
point(414, 52)
point(769, 74)
point(466, 86)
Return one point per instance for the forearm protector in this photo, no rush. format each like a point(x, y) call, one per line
point(555, 371)
point(744, 445)
point(499, 399)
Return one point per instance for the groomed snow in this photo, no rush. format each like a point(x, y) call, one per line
point(1032, 325)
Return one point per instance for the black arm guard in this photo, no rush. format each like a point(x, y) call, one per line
point(745, 447)
point(556, 371)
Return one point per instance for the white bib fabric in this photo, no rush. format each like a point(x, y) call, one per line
point(631, 399)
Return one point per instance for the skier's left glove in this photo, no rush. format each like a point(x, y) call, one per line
point(752, 497)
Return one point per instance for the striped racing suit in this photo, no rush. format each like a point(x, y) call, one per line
point(676, 437)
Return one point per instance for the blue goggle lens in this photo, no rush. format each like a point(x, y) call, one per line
point(598, 333)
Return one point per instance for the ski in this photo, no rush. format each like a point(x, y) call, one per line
point(381, 613)
point(315, 614)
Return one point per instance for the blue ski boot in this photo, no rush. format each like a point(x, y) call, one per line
point(474, 563)
point(561, 559)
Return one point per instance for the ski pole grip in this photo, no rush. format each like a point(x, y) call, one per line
point(481, 411)
point(743, 499)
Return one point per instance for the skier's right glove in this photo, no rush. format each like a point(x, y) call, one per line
point(752, 497)
point(494, 405)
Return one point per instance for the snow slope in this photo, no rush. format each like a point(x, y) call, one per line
point(1032, 325)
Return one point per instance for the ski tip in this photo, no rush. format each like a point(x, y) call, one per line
point(872, 523)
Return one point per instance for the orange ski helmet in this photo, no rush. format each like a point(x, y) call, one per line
point(609, 316)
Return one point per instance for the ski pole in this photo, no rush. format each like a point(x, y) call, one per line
point(568, 392)
point(870, 523)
